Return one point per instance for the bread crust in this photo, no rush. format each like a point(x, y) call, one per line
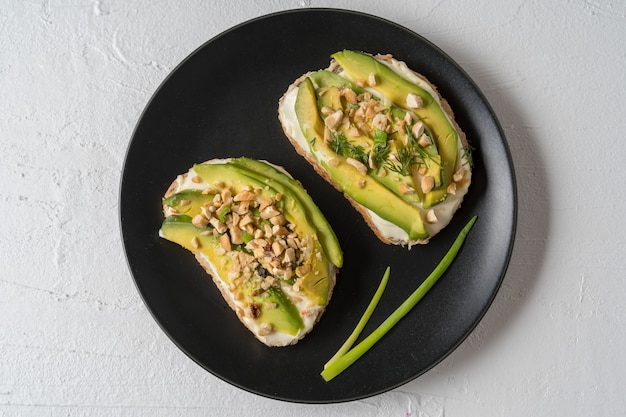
point(362, 210)
point(173, 188)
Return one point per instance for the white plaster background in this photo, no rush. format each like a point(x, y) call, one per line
point(75, 338)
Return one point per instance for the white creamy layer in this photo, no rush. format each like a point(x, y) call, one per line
point(444, 211)
point(309, 312)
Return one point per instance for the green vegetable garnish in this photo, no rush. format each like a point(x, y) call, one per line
point(342, 363)
point(223, 211)
point(247, 237)
point(362, 322)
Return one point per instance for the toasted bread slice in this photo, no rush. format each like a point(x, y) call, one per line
point(385, 128)
point(249, 226)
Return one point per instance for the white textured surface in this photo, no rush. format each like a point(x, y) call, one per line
point(75, 339)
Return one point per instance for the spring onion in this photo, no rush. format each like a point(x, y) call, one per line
point(362, 322)
point(340, 364)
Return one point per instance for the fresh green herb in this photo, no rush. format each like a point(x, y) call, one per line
point(380, 150)
point(380, 137)
point(405, 157)
point(352, 355)
point(424, 157)
point(223, 211)
point(405, 160)
point(398, 113)
point(342, 146)
point(247, 237)
point(339, 143)
point(362, 322)
point(468, 155)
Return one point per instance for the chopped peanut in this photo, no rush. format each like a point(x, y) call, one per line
point(269, 212)
point(427, 184)
point(431, 217)
point(244, 195)
point(459, 174)
point(406, 189)
point(200, 221)
point(350, 95)
point(380, 121)
point(424, 140)
point(417, 129)
point(334, 120)
point(414, 101)
point(225, 242)
point(358, 165)
point(371, 79)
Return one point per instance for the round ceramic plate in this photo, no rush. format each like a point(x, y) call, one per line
point(222, 102)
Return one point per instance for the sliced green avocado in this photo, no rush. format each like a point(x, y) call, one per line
point(274, 306)
point(315, 284)
point(179, 229)
point(325, 232)
point(390, 179)
point(359, 66)
point(359, 186)
point(330, 97)
point(325, 78)
point(278, 310)
point(187, 202)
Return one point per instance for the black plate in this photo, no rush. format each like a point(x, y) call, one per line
point(222, 101)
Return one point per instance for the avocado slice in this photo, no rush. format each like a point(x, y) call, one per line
point(316, 283)
point(396, 182)
point(359, 66)
point(273, 305)
point(325, 78)
point(330, 97)
point(325, 232)
point(358, 185)
point(188, 201)
point(180, 230)
point(278, 310)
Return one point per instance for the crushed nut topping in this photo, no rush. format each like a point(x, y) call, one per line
point(414, 101)
point(458, 175)
point(371, 79)
point(334, 120)
point(361, 167)
point(428, 183)
point(431, 217)
point(424, 140)
point(406, 189)
point(262, 246)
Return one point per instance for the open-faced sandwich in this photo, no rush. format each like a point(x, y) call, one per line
point(380, 133)
point(267, 246)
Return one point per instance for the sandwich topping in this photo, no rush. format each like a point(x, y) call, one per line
point(253, 235)
point(384, 137)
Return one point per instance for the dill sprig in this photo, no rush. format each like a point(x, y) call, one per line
point(468, 155)
point(405, 157)
point(342, 146)
point(380, 150)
